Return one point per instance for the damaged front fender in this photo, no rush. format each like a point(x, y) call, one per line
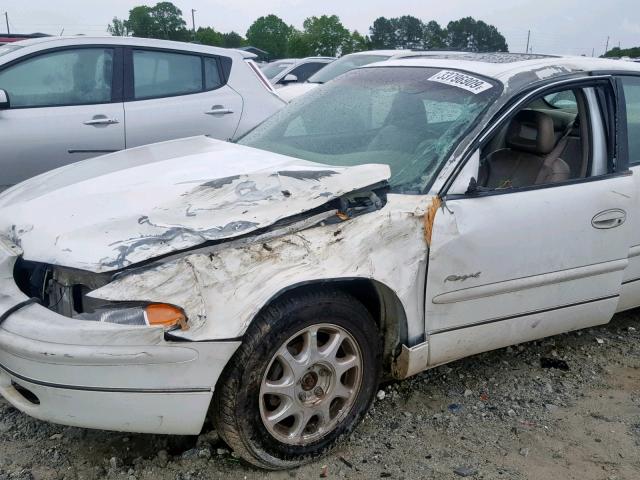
point(223, 287)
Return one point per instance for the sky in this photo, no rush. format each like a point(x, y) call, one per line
point(574, 27)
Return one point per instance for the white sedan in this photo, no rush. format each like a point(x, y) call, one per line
point(403, 216)
point(347, 63)
point(288, 71)
point(67, 99)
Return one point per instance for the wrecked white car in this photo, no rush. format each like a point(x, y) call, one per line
point(405, 215)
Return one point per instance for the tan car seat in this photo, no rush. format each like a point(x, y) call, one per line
point(532, 156)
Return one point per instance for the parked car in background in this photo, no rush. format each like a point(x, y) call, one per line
point(67, 99)
point(360, 233)
point(294, 70)
point(347, 63)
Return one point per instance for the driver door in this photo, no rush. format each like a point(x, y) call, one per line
point(515, 264)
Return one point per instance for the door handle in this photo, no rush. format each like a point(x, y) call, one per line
point(614, 217)
point(219, 110)
point(101, 121)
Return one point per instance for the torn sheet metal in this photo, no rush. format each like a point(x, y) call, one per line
point(155, 200)
point(217, 287)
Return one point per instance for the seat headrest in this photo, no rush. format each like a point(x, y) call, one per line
point(531, 131)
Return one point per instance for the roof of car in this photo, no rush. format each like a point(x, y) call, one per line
point(506, 67)
point(136, 41)
point(300, 60)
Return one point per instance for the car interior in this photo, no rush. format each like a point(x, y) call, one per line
point(545, 142)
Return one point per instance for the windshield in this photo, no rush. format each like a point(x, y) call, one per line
point(343, 65)
point(275, 68)
point(4, 49)
point(408, 118)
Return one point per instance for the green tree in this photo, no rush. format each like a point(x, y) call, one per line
point(118, 28)
point(270, 34)
point(233, 40)
point(408, 32)
point(382, 33)
point(474, 36)
point(434, 36)
point(299, 46)
point(208, 36)
point(354, 43)
point(615, 52)
point(164, 20)
point(169, 21)
point(325, 34)
point(140, 22)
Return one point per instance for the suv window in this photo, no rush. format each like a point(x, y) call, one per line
point(303, 72)
point(67, 77)
point(211, 73)
point(165, 74)
point(632, 98)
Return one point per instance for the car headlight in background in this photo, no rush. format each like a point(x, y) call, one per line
point(153, 314)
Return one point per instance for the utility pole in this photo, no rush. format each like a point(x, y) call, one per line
point(193, 22)
point(6, 17)
point(593, 51)
point(606, 47)
point(528, 37)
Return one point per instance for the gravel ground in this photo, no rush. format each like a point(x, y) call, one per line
point(567, 407)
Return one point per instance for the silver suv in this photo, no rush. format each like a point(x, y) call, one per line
point(67, 99)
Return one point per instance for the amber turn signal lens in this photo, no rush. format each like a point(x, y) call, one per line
point(165, 315)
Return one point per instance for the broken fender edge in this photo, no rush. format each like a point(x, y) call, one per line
point(412, 360)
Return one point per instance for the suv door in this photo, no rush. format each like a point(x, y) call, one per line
point(630, 296)
point(65, 106)
point(173, 94)
point(509, 264)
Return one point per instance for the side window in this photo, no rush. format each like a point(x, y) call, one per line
point(165, 74)
point(211, 74)
point(632, 99)
point(303, 72)
point(547, 141)
point(67, 77)
point(565, 100)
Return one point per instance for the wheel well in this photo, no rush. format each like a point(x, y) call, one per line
point(382, 303)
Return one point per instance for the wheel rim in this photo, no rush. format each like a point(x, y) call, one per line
point(310, 384)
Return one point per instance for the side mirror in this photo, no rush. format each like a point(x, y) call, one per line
point(4, 100)
point(290, 78)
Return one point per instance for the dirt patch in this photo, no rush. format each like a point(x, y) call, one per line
point(499, 415)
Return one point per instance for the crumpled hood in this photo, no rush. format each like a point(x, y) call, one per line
point(112, 211)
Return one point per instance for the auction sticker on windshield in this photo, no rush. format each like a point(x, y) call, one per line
point(461, 80)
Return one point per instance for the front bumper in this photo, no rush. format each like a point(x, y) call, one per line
point(99, 375)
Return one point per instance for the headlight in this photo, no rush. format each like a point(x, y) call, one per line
point(153, 314)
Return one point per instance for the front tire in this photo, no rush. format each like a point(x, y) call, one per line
point(304, 376)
